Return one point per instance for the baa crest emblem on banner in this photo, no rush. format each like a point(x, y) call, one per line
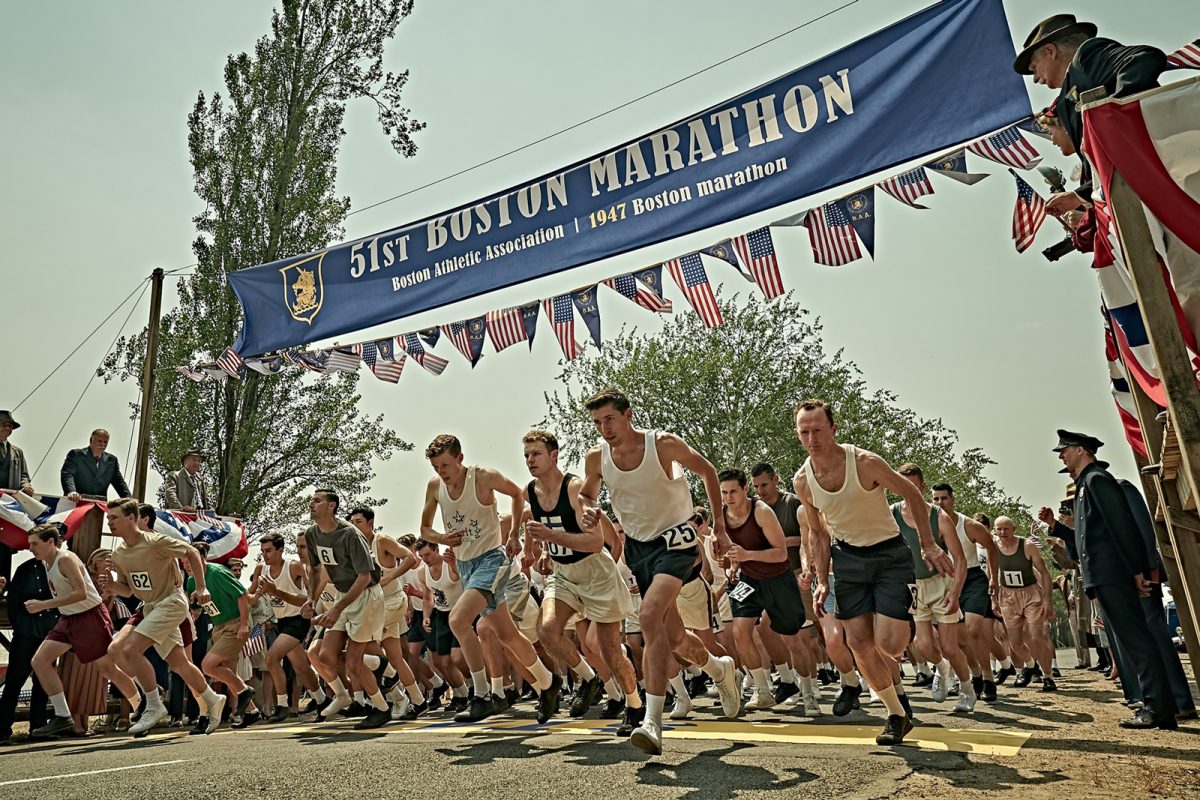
point(585, 297)
point(857, 203)
point(303, 288)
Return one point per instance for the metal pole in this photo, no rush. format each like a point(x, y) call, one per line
point(143, 448)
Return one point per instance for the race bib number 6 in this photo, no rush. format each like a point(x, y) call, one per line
point(327, 557)
point(681, 537)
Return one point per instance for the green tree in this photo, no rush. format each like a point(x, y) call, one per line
point(264, 158)
point(729, 392)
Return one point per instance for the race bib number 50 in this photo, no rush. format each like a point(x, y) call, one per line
point(681, 537)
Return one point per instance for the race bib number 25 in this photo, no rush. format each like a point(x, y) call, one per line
point(681, 537)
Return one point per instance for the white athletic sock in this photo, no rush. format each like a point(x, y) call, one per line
point(281, 700)
point(613, 689)
point(390, 672)
point(923, 668)
point(808, 687)
point(713, 668)
point(318, 695)
point(1054, 663)
point(541, 676)
point(360, 697)
point(479, 682)
point(850, 678)
point(377, 700)
point(692, 670)
point(787, 674)
point(338, 688)
point(634, 700)
point(208, 698)
point(943, 668)
point(437, 681)
point(498, 687)
point(584, 670)
point(61, 709)
point(762, 679)
point(677, 684)
point(899, 688)
point(414, 693)
point(1006, 663)
point(891, 700)
point(654, 709)
point(459, 691)
point(371, 662)
point(976, 672)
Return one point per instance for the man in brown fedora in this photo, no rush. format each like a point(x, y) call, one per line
point(184, 488)
point(1067, 55)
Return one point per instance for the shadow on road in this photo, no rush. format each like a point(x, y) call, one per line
point(708, 774)
point(963, 773)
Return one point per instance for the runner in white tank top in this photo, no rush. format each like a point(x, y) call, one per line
point(843, 490)
point(466, 497)
point(83, 626)
point(654, 506)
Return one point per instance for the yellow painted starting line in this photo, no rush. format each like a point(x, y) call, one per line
point(961, 740)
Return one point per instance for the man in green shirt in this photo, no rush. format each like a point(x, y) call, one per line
point(229, 610)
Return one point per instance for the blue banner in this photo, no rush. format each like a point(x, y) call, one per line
point(939, 78)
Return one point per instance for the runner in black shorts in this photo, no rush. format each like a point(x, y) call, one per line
point(844, 491)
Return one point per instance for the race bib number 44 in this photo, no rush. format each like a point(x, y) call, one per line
point(681, 537)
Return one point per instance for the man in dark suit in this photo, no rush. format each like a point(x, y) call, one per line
point(1117, 573)
point(90, 470)
point(1067, 55)
point(14, 476)
point(184, 489)
point(29, 582)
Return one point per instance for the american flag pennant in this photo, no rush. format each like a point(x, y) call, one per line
point(212, 370)
point(1028, 214)
point(724, 250)
point(505, 328)
point(688, 272)
point(627, 286)
point(1007, 147)
point(1186, 57)
point(412, 345)
point(908, 187)
point(757, 251)
point(832, 236)
point(314, 361)
point(529, 318)
point(562, 318)
point(232, 363)
point(344, 359)
point(191, 373)
point(954, 165)
point(467, 337)
point(585, 301)
point(266, 366)
point(290, 355)
point(380, 358)
point(256, 642)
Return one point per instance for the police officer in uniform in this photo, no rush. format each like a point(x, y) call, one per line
point(1116, 572)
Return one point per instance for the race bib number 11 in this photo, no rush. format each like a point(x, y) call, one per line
point(1013, 579)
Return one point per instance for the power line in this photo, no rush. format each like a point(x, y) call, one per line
point(111, 314)
point(605, 113)
point(92, 376)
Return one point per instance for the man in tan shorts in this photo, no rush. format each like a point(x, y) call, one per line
point(584, 579)
point(1026, 602)
point(145, 566)
point(356, 617)
point(394, 560)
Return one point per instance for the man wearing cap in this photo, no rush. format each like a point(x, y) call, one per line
point(1117, 572)
point(1065, 54)
point(14, 476)
point(91, 470)
point(184, 488)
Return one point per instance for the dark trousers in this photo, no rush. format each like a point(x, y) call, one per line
point(1131, 687)
point(6, 554)
point(179, 697)
point(20, 667)
point(1125, 618)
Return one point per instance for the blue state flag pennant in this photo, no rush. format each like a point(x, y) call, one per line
point(585, 301)
point(860, 208)
point(529, 318)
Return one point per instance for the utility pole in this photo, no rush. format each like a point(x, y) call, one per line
point(143, 443)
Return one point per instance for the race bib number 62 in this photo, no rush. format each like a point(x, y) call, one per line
point(140, 581)
point(681, 537)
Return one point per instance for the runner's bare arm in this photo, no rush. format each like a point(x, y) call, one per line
point(949, 531)
point(769, 523)
point(1044, 579)
point(75, 578)
point(254, 579)
point(589, 492)
point(876, 471)
point(981, 536)
point(429, 512)
point(672, 448)
point(818, 542)
point(488, 482)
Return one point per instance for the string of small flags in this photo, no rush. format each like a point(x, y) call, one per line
point(839, 231)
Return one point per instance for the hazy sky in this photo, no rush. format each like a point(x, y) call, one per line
point(98, 191)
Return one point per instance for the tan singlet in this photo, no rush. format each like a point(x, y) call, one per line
point(855, 516)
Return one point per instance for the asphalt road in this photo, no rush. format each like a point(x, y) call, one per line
point(766, 754)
